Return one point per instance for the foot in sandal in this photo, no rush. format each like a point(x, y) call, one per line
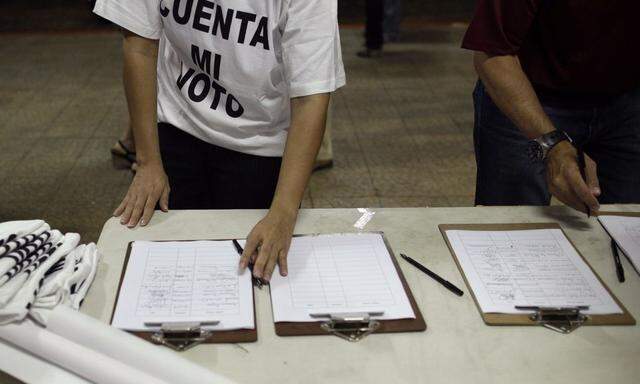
point(124, 157)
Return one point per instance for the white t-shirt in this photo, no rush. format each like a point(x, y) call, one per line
point(228, 68)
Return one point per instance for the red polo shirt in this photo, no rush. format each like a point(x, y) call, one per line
point(573, 51)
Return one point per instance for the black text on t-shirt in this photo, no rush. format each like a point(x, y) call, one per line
point(202, 83)
point(208, 17)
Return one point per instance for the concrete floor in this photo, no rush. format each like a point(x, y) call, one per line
point(402, 127)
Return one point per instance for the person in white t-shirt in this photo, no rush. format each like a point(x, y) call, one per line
point(228, 102)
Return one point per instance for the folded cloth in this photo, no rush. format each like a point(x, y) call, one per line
point(80, 281)
point(14, 241)
point(29, 255)
point(70, 279)
point(19, 249)
point(19, 228)
point(50, 293)
point(8, 290)
point(11, 283)
point(20, 302)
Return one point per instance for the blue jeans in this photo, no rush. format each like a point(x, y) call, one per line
point(609, 134)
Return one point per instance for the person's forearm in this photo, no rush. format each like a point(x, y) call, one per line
point(512, 92)
point(140, 79)
point(308, 119)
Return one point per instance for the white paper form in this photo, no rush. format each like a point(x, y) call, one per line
point(336, 274)
point(184, 281)
point(625, 230)
point(529, 268)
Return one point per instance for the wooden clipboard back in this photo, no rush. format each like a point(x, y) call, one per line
point(626, 214)
point(386, 326)
point(624, 318)
point(236, 336)
point(622, 214)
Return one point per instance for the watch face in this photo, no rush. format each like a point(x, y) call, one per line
point(535, 151)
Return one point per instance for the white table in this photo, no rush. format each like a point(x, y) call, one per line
point(457, 346)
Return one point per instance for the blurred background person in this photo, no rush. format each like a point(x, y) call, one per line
point(392, 20)
point(374, 34)
point(556, 78)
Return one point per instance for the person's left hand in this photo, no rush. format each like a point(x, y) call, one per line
point(268, 244)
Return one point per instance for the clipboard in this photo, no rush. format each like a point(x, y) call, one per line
point(622, 214)
point(286, 328)
point(624, 318)
point(217, 337)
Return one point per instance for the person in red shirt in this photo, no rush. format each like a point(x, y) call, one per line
point(556, 77)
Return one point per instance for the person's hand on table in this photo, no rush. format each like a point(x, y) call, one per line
point(150, 185)
point(565, 181)
point(268, 244)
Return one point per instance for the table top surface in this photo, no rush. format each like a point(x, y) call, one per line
point(457, 346)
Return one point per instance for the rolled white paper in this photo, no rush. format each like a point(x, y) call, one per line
point(112, 342)
point(33, 369)
point(83, 361)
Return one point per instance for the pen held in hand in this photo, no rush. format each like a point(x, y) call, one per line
point(257, 281)
point(433, 275)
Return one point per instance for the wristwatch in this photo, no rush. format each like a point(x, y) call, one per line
point(540, 147)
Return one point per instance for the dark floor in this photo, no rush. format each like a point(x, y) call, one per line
point(401, 127)
point(47, 15)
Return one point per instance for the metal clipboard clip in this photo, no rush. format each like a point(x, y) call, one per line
point(560, 319)
point(181, 336)
point(349, 326)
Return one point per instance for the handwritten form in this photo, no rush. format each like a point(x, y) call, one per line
point(337, 274)
point(529, 268)
point(184, 281)
point(625, 230)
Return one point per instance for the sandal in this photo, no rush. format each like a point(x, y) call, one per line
point(123, 157)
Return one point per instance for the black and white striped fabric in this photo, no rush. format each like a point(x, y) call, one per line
point(42, 268)
point(23, 257)
point(69, 279)
point(13, 243)
point(12, 230)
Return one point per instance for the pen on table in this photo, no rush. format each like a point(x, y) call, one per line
point(239, 249)
point(583, 165)
point(437, 278)
point(616, 259)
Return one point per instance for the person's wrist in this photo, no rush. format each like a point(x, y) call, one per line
point(149, 162)
point(562, 149)
point(289, 211)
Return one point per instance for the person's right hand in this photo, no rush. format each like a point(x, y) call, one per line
point(149, 185)
point(565, 181)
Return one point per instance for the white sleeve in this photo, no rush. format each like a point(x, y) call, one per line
point(311, 47)
point(141, 17)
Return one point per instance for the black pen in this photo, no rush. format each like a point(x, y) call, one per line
point(437, 278)
point(583, 165)
point(616, 259)
point(259, 282)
